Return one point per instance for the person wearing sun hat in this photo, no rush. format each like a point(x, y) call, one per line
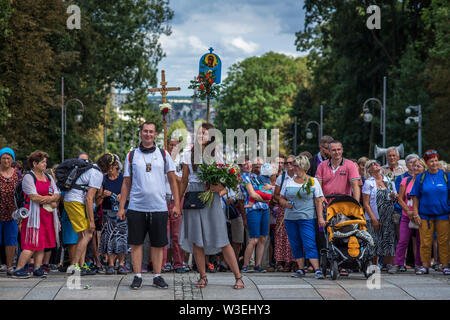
point(431, 211)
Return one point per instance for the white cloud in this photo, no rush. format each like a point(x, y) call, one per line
point(248, 47)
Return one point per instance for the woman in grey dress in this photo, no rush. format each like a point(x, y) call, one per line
point(204, 231)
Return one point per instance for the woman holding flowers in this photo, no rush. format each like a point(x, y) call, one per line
point(204, 230)
point(303, 199)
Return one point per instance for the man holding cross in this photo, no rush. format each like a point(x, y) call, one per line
point(144, 176)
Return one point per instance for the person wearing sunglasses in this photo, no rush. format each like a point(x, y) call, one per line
point(321, 156)
point(431, 211)
point(379, 195)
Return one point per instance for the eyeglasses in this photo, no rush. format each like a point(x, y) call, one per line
point(373, 163)
point(431, 152)
point(289, 163)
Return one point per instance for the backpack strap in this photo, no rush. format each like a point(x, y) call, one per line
point(130, 160)
point(163, 153)
point(283, 177)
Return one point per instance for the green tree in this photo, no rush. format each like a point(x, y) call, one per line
point(259, 92)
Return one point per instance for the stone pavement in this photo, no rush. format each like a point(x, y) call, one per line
point(267, 286)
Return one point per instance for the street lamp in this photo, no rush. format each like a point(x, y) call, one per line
point(78, 117)
point(418, 120)
point(368, 117)
point(309, 134)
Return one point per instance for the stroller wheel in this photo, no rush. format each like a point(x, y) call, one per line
point(323, 263)
point(334, 270)
point(366, 268)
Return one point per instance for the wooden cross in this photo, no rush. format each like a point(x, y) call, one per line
point(164, 90)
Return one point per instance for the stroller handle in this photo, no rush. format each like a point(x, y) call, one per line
point(349, 222)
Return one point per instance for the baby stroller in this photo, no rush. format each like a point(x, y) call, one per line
point(347, 239)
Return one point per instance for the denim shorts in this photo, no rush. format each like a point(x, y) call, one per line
point(258, 222)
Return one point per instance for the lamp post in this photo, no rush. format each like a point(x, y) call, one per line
point(418, 120)
point(78, 117)
point(309, 134)
point(368, 116)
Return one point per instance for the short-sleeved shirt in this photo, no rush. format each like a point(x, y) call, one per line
point(408, 184)
point(304, 208)
point(148, 192)
point(250, 178)
point(93, 178)
point(286, 178)
point(178, 172)
point(370, 188)
point(114, 186)
point(433, 195)
point(337, 181)
point(393, 173)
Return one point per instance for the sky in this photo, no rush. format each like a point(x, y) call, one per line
point(236, 29)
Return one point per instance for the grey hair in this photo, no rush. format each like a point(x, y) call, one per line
point(393, 148)
point(411, 156)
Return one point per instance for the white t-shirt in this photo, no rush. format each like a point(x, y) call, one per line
point(370, 188)
point(178, 172)
point(193, 177)
point(93, 178)
point(148, 192)
point(278, 182)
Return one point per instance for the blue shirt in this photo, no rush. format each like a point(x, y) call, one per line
point(433, 196)
point(251, 178)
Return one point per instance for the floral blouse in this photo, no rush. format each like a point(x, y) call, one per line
point(7, 205)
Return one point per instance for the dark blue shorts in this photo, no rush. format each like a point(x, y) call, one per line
point(9, 231)
point(258, 222)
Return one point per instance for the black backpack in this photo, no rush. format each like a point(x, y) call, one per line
point(68, 172)
point(19, 196)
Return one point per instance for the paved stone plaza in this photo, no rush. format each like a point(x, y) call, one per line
point(267, 286)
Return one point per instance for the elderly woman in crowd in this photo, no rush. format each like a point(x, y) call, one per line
point(39, 229)
point(9, 179)
point(379, 195)
point(301, 213)
point(407, 225)
point(431, 211)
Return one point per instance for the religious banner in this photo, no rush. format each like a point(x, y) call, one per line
point(211, 63)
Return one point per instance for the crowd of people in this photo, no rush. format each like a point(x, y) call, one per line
point(275, 221)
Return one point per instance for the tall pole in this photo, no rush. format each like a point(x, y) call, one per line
point(295, 137)
point(121, 138)
point(419, 133)
point(207, 109)
point(384, 116)
point(321, 122)
point(62, 119)
point(104, 130)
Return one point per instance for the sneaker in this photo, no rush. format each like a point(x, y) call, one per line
point(246, 269)
point(392, 269)
point(210, 268)
point(298, 274)
point(110, 270)
point(186, 267)
point(180, 270)
point(422, 270)
point(30, 267)
point(259, 269)
point(446, 271)
point(168, 267)
point(402, 269)
point(73, 268)
point(101, 269)
point(137, 283)
point(10, 271)
point(45, 268)
point(159, 282)
point(53, 268)
point(86, 271)
point(318, 274)
point(21, 274)
point(122, 270)
point(3, 268)
point(39, 273)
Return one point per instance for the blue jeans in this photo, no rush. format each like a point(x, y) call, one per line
point(302, 238)
point(258, 223)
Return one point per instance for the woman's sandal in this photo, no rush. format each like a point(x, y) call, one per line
point(202, 282)
point(239, 286)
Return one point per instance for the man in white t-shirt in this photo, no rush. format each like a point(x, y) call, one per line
point(79, 205)
point(144, 183)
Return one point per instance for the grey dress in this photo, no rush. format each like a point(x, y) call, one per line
point(207, 227)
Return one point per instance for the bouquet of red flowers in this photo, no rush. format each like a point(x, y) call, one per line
point(218, 173)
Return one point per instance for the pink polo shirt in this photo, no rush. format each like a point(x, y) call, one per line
point(340, 181)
